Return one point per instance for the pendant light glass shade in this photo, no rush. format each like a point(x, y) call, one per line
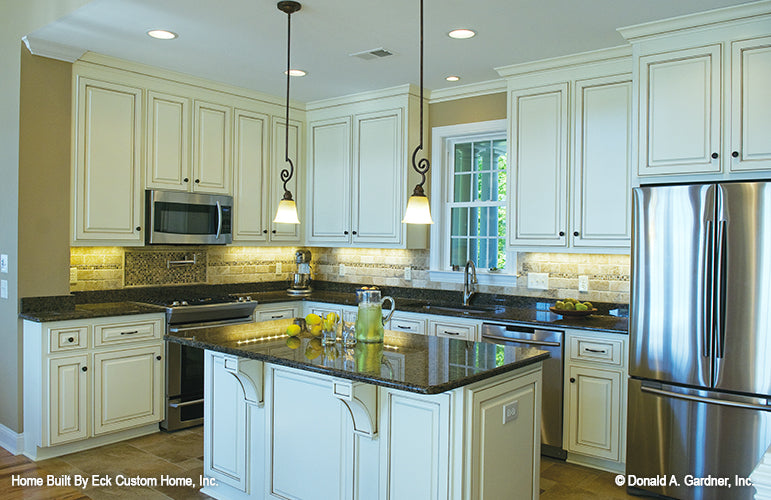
point(418, 210)
point(286, 213)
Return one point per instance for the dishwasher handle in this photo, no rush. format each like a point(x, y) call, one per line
point(521, 341)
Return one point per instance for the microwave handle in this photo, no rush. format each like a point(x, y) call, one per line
point(219, 220)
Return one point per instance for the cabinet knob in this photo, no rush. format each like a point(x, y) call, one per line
point(354, 232)
point(264, 231)
point(85, 368)
point(562, 233)
point(735, 154)
point(274, 231)
point(158, 357)
point(714, 156)
point(197, 181)
point(345, 232)
point(572, 380)
point(186, 179)
point(575, 233)
point(71, 340)
point(139, 228)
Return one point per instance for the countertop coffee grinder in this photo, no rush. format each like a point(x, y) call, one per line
point(301, 280)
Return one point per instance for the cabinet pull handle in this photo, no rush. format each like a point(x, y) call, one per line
point(601, 351)
point(572, 380)
point(186, 179)
point(139, 228)
point(715, 156)
point(197, 181)
point(448, 332)
point(158, 357)
point(85, 368)
point(345, 232)
point(129, 333)
point(562, 233)
point(264, 231)
point(354, 232)
point(278, 316)
point(403, 327)
point(575, 233)
point(735, 154)
point(71, 340)
point(274, 231)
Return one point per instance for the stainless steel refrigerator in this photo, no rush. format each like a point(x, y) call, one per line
point(700, 337)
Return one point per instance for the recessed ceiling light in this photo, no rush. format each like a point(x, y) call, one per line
point(162, 34)
point(296, 72)
point(452, 78)
point(461, 33)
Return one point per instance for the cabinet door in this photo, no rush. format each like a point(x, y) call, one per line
point(594, 412)
point(251, 155)
point(289, 233)
point(68, 399)
point(601, 180)
point(679, 114)
point(168, 142)
point(750, 105)
point(538, 148)
point(107, 192)
point(211, 148)
point(128, 388)
point(378, 178)
point(329, 185)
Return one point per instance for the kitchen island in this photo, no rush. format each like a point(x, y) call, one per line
point(414, 417)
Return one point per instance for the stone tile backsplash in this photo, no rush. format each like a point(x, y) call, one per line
point(100, 268)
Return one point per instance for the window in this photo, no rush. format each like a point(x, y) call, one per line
point(469, 200)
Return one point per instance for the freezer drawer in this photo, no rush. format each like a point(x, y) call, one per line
point(709, 434)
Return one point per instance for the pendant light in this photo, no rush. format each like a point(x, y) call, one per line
point(418, 210)
point(287, 208)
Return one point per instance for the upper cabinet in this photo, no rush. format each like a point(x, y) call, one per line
point(702, 96)
point(168, 141)
point(106, 188)
point(251, 153)
point(285, 233)
point(358, 171)
point(570, 152)
point(211, 153)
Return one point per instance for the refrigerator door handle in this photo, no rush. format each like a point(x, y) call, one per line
point(702, 399)
point(719, 290)
point(708, 295)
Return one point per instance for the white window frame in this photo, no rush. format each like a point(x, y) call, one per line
point(441, 166)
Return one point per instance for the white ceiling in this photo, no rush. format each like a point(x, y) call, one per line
point(243, 42)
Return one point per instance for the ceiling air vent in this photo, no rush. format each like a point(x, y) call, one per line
point(368, 55)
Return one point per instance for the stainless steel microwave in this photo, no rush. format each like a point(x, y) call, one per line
point(179, 218)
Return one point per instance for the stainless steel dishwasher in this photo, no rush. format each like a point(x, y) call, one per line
point(551, 400)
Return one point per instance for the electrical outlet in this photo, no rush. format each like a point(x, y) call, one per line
point(510, 412)
point(3, 289)
point(583, 283)
point(4, 263)
point(341, 272)
point(73, 275)
point(278, 267)
point(538, 281)
point(408, 273)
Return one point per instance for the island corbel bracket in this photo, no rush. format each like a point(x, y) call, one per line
point(250, 375)
point(361, 401)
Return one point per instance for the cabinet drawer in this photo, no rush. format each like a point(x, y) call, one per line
point(115, 333)
point(273, 314)
point(68, 339)
point(606, 351)
point(453, 330)
point(410, 325)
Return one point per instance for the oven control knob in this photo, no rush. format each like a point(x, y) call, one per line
point(248, 298)
point(175, 303)
point(241, 298)
point(184, 303)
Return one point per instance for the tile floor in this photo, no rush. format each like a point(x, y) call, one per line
point(180, 454)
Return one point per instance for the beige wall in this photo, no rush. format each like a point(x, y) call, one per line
point(44, 175)
point(468, 110)
point(17, 19)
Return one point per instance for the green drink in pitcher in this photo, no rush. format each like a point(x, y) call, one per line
point(369, 319)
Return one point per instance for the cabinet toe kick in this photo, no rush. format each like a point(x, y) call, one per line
point(361, 401)
point(249, 373)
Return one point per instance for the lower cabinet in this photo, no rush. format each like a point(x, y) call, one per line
point(84, 388)
point(595, 398)
point(280, 310)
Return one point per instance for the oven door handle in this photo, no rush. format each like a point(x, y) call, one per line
point(521, 341)
point(219, 220)
point(186, 403)
point(212, 324)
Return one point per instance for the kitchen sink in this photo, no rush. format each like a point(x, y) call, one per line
point(463, 309)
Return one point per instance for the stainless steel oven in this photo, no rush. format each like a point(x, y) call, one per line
point(551, 406)
point(179, 218)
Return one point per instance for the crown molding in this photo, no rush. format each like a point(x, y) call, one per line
point(397, 91)
point(567, 61)
point(695, 21)
point(52, 50)
point(468, 90)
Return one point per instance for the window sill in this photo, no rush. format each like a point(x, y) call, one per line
point(484, 278)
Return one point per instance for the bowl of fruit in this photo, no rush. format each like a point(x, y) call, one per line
point(572, 307)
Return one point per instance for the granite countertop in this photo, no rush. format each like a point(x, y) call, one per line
point(415, 363)
point(86, 311)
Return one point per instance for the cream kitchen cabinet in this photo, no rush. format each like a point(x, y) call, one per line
point(168, 141)
point(251, 156)
point(212, 128)
point(106, 179)
point(570, 152)
point(286, 233)
point(595, 398)
point(91, 382)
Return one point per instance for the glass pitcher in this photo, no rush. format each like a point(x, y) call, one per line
point(369, 319)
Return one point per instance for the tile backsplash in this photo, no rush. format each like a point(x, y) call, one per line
point(100, 268)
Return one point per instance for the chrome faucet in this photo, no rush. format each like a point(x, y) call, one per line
point(469, 286)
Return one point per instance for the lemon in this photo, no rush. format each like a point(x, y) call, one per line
point(559, 305)
point(315, 329)
point(313, 319)
point(332, 317)
point(588, 305)
point(293, 330)
point(580, 307)
point(293, 342)
point(569, 306)
point(313, 353)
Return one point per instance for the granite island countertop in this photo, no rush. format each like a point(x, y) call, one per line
point(415, 363)
point(87, 311)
